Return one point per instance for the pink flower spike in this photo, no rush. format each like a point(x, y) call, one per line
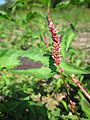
point(56, 42)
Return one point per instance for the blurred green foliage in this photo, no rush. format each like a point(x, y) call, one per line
point(30, 86)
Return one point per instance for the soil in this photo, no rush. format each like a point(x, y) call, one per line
point(83, 42)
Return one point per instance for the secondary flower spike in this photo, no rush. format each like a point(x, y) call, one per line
point(56, 42)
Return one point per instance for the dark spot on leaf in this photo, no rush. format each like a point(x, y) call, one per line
point(27, 63)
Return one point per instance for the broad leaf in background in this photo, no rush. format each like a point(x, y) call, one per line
point(34, 62)
point(9, 58)
point(30, 62)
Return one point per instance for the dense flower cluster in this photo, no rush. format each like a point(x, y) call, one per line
point(56, 42)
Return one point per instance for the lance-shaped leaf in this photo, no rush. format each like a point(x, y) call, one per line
point(37, 72)
point(85, 105)
point(67, 38)
point(30, 62)
point(9, 58)
point(71, 69)
point(34, 62)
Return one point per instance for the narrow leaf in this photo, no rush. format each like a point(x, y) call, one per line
point(71, 69)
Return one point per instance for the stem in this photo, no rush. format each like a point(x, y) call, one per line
point(72, 104)
point(78, 83)
point(49, 4)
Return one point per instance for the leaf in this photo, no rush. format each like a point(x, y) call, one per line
point(69, 35)
point(9, 58)
point(3, 12)
point(64, 104)
point(32, 15)
point(56, 112)
point(63, 3)
point(34, 62)
point(85, 106)
point(71, 69)
point(40, 72)
point(30, 62)
point(71, 117)
point(6, 16)
point(3, 108)
point(84, 119)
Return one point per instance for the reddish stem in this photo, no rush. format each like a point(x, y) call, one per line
point(78, 83)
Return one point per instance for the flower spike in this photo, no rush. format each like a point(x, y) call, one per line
point(56, 42)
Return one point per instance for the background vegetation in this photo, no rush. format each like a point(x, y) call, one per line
point(31, 87)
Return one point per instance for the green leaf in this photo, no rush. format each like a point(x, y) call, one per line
point(56, 112)
point(85, 106)
point(34, 62)
point(64, 104)
point(30, 62)
point(40, 72)
point(6, 16)
point(3, 12)
point(3, 108)
point(63, 3)
point(32, 15)
point(71, 69)
point(71, 117)
point(9, 58)
point(69, 35)
point(84, 119)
